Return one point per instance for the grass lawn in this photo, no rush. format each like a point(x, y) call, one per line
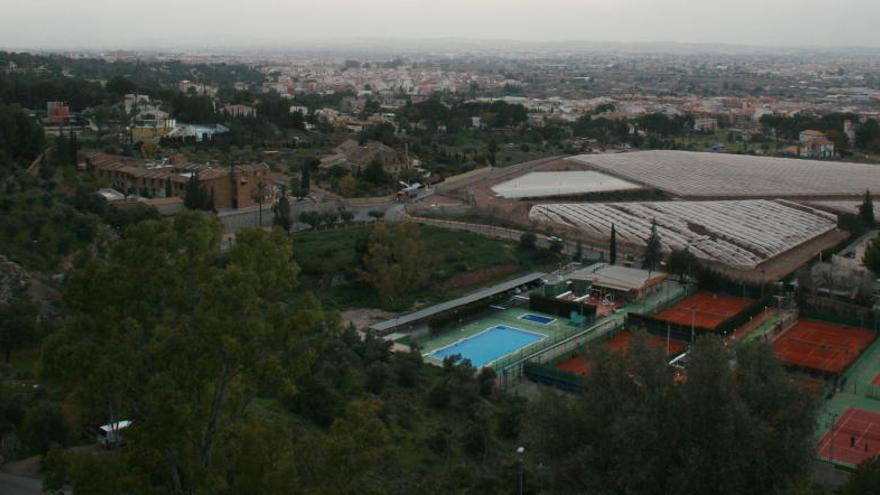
point(459, 263)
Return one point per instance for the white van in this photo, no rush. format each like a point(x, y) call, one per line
point(110, 435)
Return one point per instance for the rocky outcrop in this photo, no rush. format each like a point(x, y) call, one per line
point(13, 279)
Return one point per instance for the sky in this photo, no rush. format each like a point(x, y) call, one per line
point(108, 24)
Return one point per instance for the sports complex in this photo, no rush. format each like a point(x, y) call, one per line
point(752, 220)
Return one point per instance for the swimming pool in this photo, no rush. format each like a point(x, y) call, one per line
point(542, 320)
point(489, 345)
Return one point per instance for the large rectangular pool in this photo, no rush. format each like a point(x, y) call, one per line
point(489, 345)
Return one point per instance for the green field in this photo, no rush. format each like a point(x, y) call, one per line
point(459, 262)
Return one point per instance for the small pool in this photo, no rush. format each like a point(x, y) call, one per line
point(489, 345)
point(542, 320)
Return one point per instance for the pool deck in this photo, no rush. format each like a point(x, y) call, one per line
point(508, 318)
point(559, 329)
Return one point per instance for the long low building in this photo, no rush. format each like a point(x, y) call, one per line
point(562, 183)
point(738, 234)
point(696, 175)
point(424, 315)
point(230, 187)
point(627, 283)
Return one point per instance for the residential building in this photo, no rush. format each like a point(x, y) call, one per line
point(240, 111)
point(57, 113)
point(814, 144)
point(705, 124)
point(238, 186)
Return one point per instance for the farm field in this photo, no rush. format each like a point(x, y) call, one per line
point(740, 234)
point(718, 175)
point(546, 184)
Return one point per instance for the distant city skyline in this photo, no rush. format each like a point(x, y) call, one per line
point(107, 24)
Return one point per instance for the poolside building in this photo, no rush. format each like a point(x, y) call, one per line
point(623, 283)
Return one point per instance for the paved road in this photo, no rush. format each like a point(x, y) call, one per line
point(19, 485)
point(249, 217)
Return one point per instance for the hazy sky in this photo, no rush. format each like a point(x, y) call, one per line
point(130, 23)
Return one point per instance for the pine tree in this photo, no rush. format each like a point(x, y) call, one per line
point(866, 210)
point(653, 249)
point(612, 246)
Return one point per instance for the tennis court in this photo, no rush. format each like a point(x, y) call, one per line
point(704, 310)
point(821, 346)
point(853, 438)
point(622, 342)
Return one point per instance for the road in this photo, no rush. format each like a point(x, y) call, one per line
point(19, 485)
point(235, 220)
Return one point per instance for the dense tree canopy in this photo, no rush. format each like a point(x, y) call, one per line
point(728, 429)
point(21, 139)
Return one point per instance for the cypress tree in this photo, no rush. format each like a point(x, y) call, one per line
point(866, 210)
point(652, 249)
point(193, 198)
point(612, 246)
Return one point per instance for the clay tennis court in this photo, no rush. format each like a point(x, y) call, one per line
point(621, 342)
point(822, 346)
point(853, 438)
point(704, 309)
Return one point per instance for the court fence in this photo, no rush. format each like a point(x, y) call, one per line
point(839, 312)
point(683, 331)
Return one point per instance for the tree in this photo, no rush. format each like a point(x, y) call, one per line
point(872, 257)
point(865, 480)
point(612, 246)
point(347, 186)
point(528, 241)
point(346, 215)
point(681, 262)
point(375, 173)
point(492, 148)
point(172, 333)
point(395, 261)
point(653, 249)
point(196, 197)
point(258, 194)
point(312, 218)
point(120, 86)
point(376, 214)
point(282, 212)
point(306, 175)
point(735, 430)
point(866, 210)
point(18, 325)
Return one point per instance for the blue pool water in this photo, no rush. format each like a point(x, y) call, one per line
point(543, 320)
point(489, 345)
